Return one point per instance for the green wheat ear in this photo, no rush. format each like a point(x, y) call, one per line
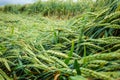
point(117, 46)
point(98, 17)
point(94, 74)
point(112, 17)
point(88, 44)
point(58, 54)
point(59, 61)
point(103, 56)
point(114, 74)
point(44, 58)
point(5, 61)
point(4, 76)
point(114, 26)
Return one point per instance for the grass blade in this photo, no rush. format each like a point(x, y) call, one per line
point(76, 66)
point(70, 54)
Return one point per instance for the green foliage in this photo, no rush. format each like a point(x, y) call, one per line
point(52, 8)
point(12, 8)
point(84, 47)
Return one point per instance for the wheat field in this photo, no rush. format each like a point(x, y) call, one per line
point(57, 40)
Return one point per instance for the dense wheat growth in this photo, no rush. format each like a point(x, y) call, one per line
point(60, 40)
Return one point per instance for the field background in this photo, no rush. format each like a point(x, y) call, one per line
point(60, 40)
